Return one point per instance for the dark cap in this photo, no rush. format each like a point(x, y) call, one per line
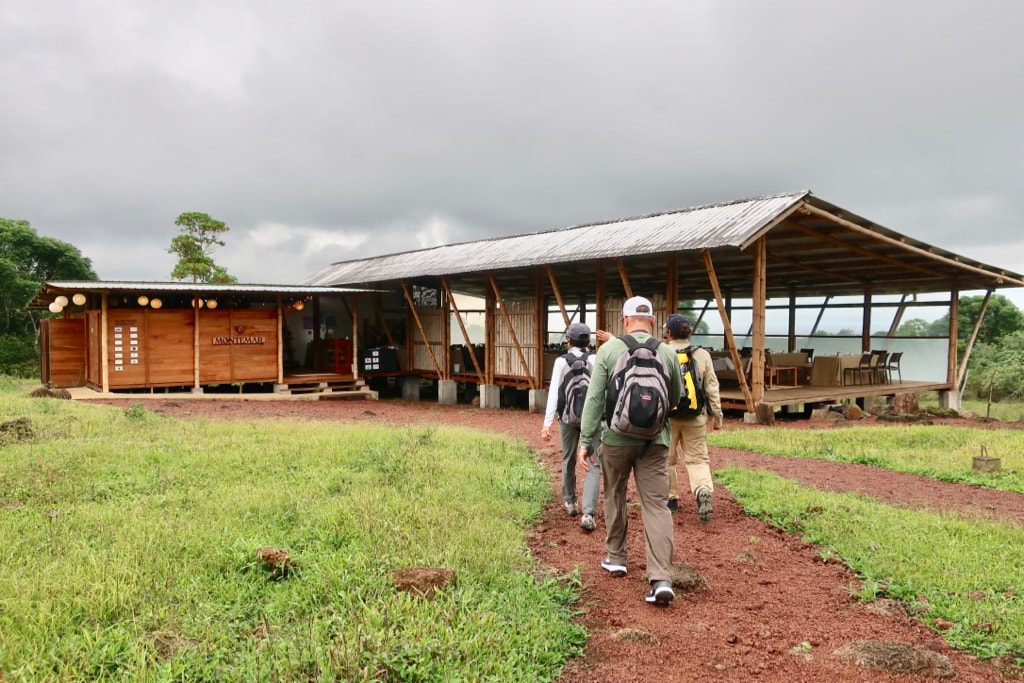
point(577, 331)
point(675, 324)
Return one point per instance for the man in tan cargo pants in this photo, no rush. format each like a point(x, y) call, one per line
point(690, 434)
point(621, 455)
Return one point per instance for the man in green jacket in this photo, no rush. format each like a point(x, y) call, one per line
point(621, 455)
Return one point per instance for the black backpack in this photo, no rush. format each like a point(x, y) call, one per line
point(693, 400)
point(572, 390)
point(637, 401)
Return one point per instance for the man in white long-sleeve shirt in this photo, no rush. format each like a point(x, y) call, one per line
point(578, 336)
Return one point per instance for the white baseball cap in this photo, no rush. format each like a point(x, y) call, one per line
point(637, 307)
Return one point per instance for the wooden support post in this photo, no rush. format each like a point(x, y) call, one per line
point(730, 340)
point(962, 372)
point(280, 340)
point(954, 326)
point(865, 328)
point(602, 315)
point(672, 286)
point(540, 315)
point(511, 329)
point(419, 325)
point(104, 345)
point(624, 277)
point(791, 336)
point(757, 363)
point(195, 343)
point(558, 297)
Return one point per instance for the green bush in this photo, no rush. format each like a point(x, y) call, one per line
point(18, 356)
point(999, 368)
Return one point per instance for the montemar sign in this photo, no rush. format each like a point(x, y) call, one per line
point(239, 340)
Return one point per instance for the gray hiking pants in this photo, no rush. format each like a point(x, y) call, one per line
point(591, 482)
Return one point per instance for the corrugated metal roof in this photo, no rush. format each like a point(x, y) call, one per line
point(193, 287)
point(702, 227)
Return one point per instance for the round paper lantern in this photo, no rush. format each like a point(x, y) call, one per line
point(156, 303)
point(55, 307)
point(61, 301)
point(298, 306)
point(143, 300)
point(211, 303)
point(79, 299)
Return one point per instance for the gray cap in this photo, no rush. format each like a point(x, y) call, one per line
point(577, 330)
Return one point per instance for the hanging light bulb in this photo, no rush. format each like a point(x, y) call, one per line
point(143, 299)
point(211, 303)
point(78, 298)
point(61, 301)
point(156, 303)
point(55, 307)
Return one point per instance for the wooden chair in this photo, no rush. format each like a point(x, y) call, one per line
point(863, 369)
point(878, 361)
point(893, 363)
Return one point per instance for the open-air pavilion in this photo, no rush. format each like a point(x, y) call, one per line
point(784, 254)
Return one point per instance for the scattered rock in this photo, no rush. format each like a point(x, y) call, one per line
point(686, 578)
point(50, 392)
point(423, 581)
point(747, 557)
point(16, 431)
point(635, 635)
point(905, 404)
point(886, 607)
point(937, 411)
point(277, 561)
point(917, 418)
point(897, 658)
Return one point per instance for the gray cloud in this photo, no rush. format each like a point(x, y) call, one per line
point(327, 131)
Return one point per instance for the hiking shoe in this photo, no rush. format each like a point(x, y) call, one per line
point(572, 509)
point(704, 507)
point(612, 568)
point(673, 505)
point(588, 523)
point(661, 593)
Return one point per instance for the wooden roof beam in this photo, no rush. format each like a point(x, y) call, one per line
point(835, 241)
point(998, 278)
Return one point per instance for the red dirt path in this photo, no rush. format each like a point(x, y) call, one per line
point(767, 592)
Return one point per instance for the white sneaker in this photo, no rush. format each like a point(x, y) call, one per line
point(661, 593)
point(588, 523)
point(572, 509)
point(612, 568)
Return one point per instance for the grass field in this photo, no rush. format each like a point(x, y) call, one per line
point(129, 543)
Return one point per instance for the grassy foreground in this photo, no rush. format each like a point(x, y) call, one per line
point(962, 577)
point(129, 540)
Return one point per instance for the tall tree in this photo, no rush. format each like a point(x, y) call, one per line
point(1002, 318)
point(26, 262)
point(200, 236)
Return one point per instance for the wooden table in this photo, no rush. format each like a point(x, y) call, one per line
point(828, 371)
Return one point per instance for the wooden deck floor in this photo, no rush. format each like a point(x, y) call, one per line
point(732, 397)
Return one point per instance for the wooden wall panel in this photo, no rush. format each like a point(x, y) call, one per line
point(63, 352)
point(523, 315)
point(613, 314)
point(253, 362)
point(94, 359)
point(432, 320)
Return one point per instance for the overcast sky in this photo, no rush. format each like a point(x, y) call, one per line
point(322, 131)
